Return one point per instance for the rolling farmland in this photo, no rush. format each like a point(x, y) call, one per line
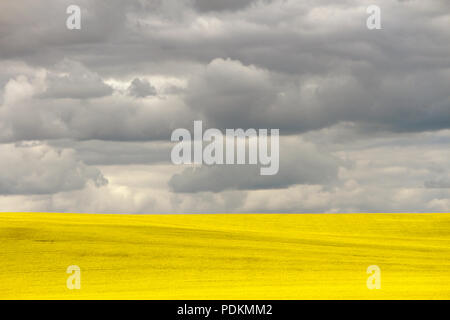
point(226, 256)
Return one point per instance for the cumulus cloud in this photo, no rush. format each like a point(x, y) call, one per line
point(364, 115)
point(307, 165)
point(71, 80)
point(141, 88)
point(40, 169)
point(230, 94)
point(35, 108)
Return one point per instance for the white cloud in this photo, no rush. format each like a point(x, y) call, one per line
point(39, 169)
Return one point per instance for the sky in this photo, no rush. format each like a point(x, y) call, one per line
point(86, 115)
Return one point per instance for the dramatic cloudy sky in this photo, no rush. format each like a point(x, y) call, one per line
point(86, 115)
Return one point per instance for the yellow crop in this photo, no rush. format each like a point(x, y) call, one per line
point(227, 256)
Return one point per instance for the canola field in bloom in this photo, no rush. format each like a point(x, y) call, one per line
point(224, 256)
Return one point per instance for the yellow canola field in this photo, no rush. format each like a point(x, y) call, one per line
point(226, 256)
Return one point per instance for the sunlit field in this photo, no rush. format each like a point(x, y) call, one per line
point(228, 256)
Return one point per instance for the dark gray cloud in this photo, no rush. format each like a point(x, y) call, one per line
point(141, 88)
point(321, 66)
point(307, 165)
point(370, 109)
point(36, 31)
point(218, 5)
point(229, 93)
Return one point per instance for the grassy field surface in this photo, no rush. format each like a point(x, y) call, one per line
point(228, 256)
